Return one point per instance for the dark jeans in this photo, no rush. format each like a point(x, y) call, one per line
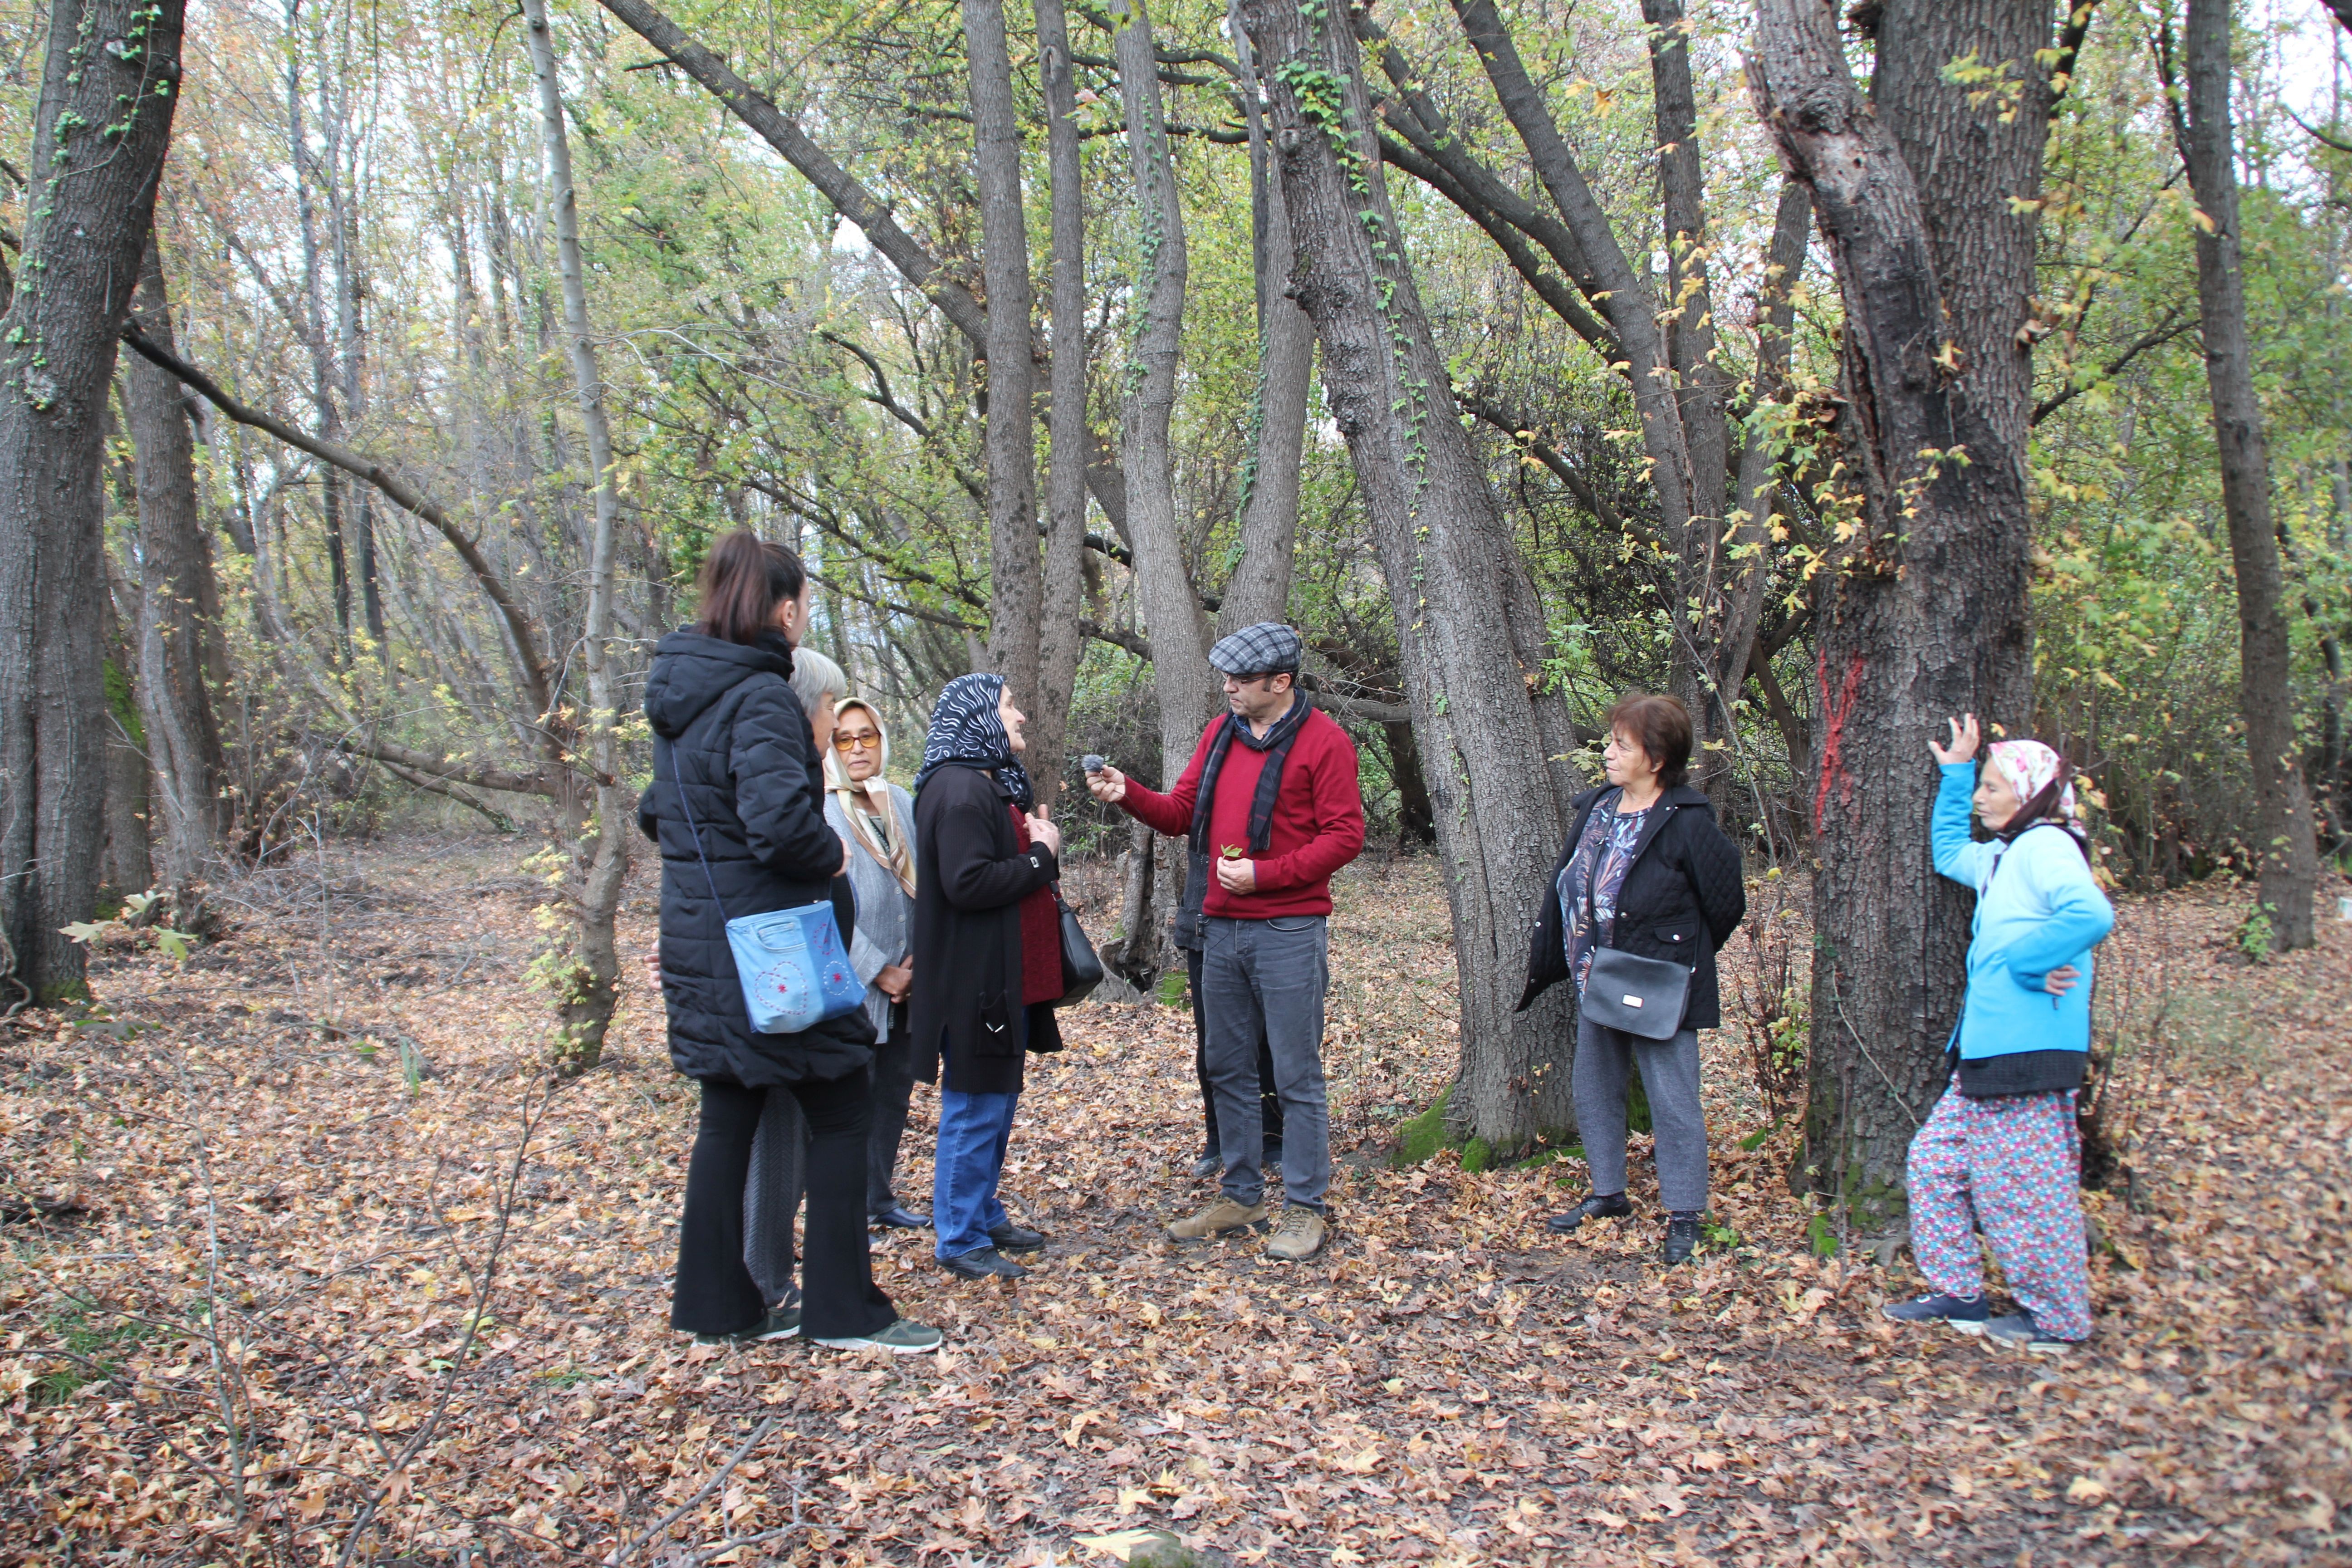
point(894, 1087)
point(1263, 981)
point(715, 1293)
point(1269, 1103)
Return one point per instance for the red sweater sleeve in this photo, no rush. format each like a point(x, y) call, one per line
point(1171, 814)
point(1338, 804)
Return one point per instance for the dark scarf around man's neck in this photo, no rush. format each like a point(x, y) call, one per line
point(1275, 744)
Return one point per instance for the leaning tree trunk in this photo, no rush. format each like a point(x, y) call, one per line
point(1060, 643)
point(1922, 612)
point(1259, 588)
point(1179, 651)
point(1016, 590)
point(104, 120)
point(179, 613)
point(586, 987)
point(1445, 552)
point(130, 862)
point(2282, 821)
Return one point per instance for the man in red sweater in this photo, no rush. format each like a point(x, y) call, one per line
point(1270, 802)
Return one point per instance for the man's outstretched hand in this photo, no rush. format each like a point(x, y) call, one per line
point(1108, 786)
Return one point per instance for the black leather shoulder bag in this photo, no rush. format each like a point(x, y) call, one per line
point(1642, 997)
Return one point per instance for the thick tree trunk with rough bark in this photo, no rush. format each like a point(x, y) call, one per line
point(129, 864)
point(1016, 588)
point(179, 626)
point(1444, 551)
point(2287, 844)
point(108, 90)
point(587, 986)
point(1922, 607)
point(1060, 643)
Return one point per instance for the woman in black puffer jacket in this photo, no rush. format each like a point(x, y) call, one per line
point(1646, 870)
point(738, 806)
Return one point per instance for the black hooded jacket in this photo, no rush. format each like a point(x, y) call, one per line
point(1682, 900)
point(728, 730)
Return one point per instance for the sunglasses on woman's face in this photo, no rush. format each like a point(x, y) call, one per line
point(865, 742)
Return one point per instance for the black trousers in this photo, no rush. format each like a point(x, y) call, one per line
point(715, 1293)
point(894, 1087)
point(1269, 1103)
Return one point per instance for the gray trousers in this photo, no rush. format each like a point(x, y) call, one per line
point(1267, 978)
point(1670, 1077)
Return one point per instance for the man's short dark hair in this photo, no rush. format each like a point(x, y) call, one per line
point(1661, 726)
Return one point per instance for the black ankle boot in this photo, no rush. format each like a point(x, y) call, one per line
point(1682, 1238)
point(1612, 1206)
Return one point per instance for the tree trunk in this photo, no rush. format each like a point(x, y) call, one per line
point(1259, 588)
point(108, 90)
point(312, 330)
point(1060, 645)
point(130, 867)
point(1445, 552)
point(1415, 817)
point(1016, 590)
point(2288, 842)
point(179, 613)
point(588, 986)
point(1922, 610)
point(1172, 609)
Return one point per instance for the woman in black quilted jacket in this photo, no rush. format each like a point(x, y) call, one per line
point(1646, 871)
point(738, 806)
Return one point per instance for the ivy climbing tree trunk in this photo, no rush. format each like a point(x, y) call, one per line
point(1016, 588)
point(1921, 605)
point(103, 122)
point(586, 987)
point(1446, 554)
point(2288, 849)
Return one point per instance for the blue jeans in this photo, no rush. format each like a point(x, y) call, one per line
point(973, 1132)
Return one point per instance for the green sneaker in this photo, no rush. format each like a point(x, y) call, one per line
point(781, 1323)
point(905, 1337)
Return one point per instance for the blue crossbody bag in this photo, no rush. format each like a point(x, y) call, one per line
point(791, 963)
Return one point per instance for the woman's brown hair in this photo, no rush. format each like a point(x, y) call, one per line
point(744, 578)
point(1663, 726)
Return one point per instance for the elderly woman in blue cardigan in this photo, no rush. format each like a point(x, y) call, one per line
point(2000, 1152)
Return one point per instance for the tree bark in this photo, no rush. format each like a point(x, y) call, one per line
point(2287, 843)
point(587, 987)
point(1060, 643)
point(178, 614)
point(1922, 601)
point(1171, 607)
point(1444, 551)
point(1016, 588)
point(129, 865)
point(1259, 587)
point(108, 86)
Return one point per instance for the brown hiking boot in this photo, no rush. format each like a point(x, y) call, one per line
point(1219, 1218)
point(1298, 1236)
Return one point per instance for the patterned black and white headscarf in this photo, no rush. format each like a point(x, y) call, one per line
point(966, 733)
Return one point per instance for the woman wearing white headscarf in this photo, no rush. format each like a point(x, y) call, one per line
point(876, 819)
point(2000, 1152)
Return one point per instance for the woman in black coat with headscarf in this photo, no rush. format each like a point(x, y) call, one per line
point(738, 806)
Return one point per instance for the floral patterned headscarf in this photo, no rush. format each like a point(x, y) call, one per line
point(2030, 766)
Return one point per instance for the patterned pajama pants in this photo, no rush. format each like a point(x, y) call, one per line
point(2013, 1165)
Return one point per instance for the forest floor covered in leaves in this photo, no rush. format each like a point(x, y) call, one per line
point(251, 1201)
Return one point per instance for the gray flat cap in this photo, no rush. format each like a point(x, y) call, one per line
point(1266, 648)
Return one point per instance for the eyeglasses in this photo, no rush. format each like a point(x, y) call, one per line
point(858, 743)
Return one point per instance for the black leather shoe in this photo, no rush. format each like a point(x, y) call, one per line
point(899, 1217)
point(1682, 1238)
point(986, 1264)
point(1011, 1238)
point(1207, 1166)
point(1614, 1206)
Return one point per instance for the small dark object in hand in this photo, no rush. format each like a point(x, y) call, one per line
point(1093, 762)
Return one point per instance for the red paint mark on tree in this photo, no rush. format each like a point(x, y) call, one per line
point(1834, 713)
